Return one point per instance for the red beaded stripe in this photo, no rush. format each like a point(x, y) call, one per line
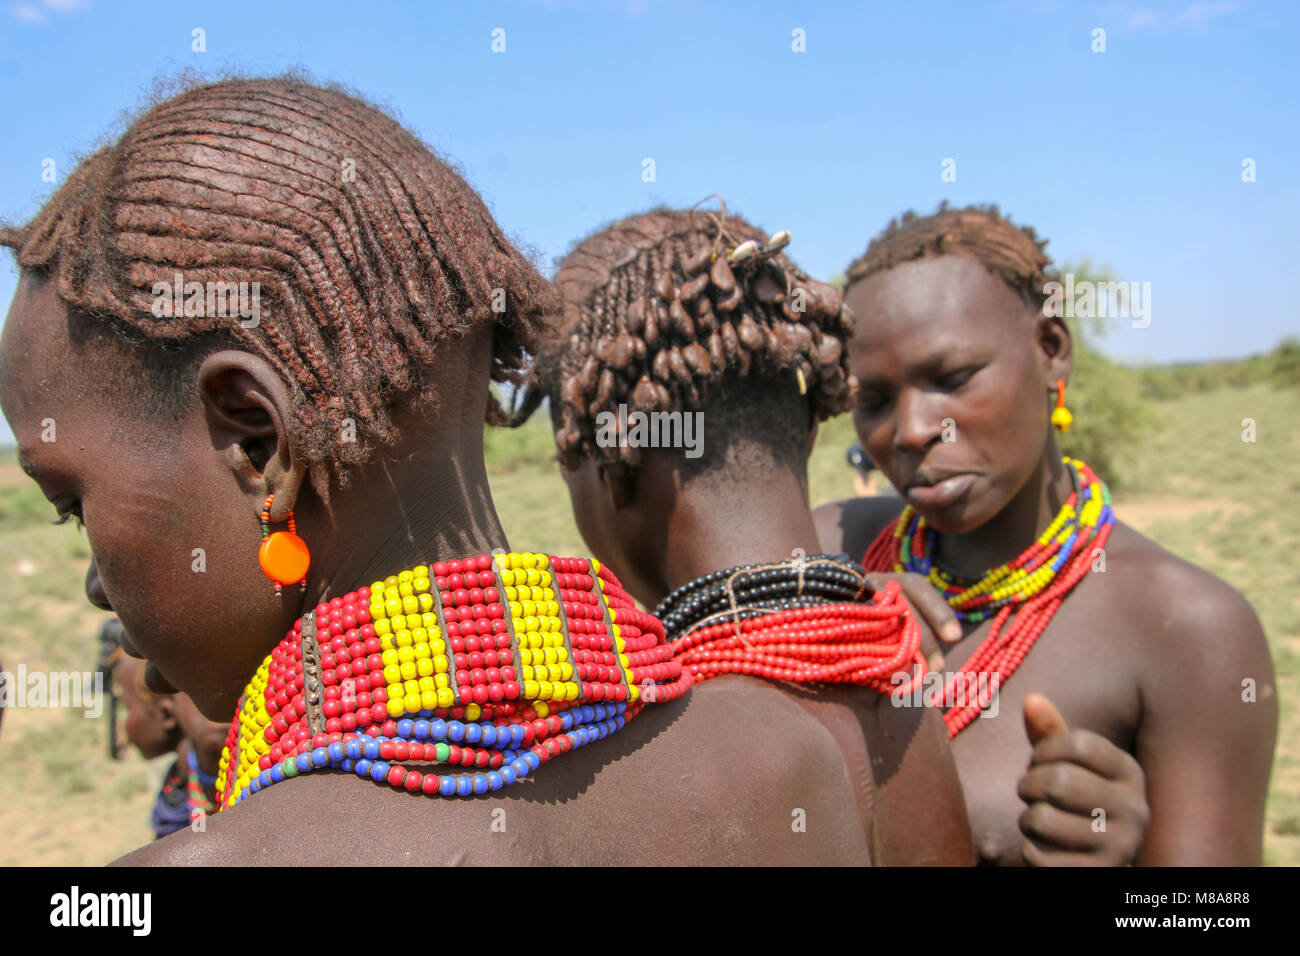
point(864, 644)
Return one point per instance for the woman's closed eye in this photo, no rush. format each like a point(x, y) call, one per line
point(871, 401)
point(68, 514)
point(954, 380)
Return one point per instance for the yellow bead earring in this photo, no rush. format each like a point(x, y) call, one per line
point(1061, 416)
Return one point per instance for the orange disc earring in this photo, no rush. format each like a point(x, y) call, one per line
point(283, 555)
point(1061, 416)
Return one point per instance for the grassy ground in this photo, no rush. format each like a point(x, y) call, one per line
point(1194, 486)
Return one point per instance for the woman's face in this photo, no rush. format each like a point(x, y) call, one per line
point(955, 374)
point(173, 535)
point(149, 726)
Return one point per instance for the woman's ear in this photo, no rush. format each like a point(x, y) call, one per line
point(248, 410)
point(1056, 348)
point(618, 481)
point(167, 714)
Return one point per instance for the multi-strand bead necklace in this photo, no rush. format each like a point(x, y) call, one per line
point(494, 663)
point(1021, 596)
point(184, 791)
point(196, 785)
point(802, 621)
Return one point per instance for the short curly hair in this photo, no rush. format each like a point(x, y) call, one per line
point(659, 318)
point(368, 250)
point(1012, 253)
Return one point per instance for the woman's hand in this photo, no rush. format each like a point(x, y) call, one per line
point(1087, 797)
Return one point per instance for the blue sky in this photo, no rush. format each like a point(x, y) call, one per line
point(1130, 157)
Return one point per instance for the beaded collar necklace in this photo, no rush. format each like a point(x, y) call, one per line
point(196, 784)
point(494, 663)
point(1022, 595)
point(806, 620)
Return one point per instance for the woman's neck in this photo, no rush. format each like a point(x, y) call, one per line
point(208, 763)
point(761, 517)
point(1015, 527)
point(436, 506)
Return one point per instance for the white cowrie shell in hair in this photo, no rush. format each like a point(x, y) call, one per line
point(744, 251)
point(777, 242)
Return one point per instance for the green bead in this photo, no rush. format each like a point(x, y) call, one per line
point(441, 752)
point(291, 767)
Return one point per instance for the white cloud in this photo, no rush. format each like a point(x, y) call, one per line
point(633, 8)
point(1197, 15)
point(34, 11)
point(27, 13)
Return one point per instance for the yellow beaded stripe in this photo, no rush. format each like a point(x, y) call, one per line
point(1002, 582)
point(537, 627)
point(253, 721)
point(418, 667)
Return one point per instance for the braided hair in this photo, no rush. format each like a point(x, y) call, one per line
point(671, 309)
point(368, 248)
point(1012, 253)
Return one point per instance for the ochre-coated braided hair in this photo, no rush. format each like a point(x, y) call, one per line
point(656, 317)
point(368, 248)
point(1012, 253)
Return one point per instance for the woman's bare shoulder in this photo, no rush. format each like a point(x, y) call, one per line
point(1179, 608)
point(726, 774)
point(851, 525)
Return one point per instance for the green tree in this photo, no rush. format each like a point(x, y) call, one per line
point(1104, 396)
point(1286, 363)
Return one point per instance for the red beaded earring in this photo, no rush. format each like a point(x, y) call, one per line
point(283, 555)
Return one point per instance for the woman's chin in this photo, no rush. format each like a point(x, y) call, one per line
point(958, 518)
point(219, 709)
point(156, 681)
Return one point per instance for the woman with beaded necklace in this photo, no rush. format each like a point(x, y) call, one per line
point(284, 313)
point(159, 724)
point(1085, 624)
point(685, 384)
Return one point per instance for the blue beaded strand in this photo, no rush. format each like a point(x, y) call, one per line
point(582, 725)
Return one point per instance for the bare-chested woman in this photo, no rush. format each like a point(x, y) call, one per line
point(958, 365)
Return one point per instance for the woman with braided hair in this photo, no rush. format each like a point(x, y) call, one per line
point(1127, 663)
point(695, 313)
point(251, 350)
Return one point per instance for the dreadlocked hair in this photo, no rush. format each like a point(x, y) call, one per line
point(667, 308)
point(368, 248)
point(1012, 253)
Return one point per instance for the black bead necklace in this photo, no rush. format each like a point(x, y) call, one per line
point(751, 590)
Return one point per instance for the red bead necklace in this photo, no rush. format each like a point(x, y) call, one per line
point(1047, 571)
point(820, 636)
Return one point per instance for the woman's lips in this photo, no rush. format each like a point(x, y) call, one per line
point(127, 647)
point(941, 494)
point(153, 677)
point(156, 682)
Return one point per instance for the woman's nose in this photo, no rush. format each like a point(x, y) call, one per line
point(95, 588)
point(915, 424)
